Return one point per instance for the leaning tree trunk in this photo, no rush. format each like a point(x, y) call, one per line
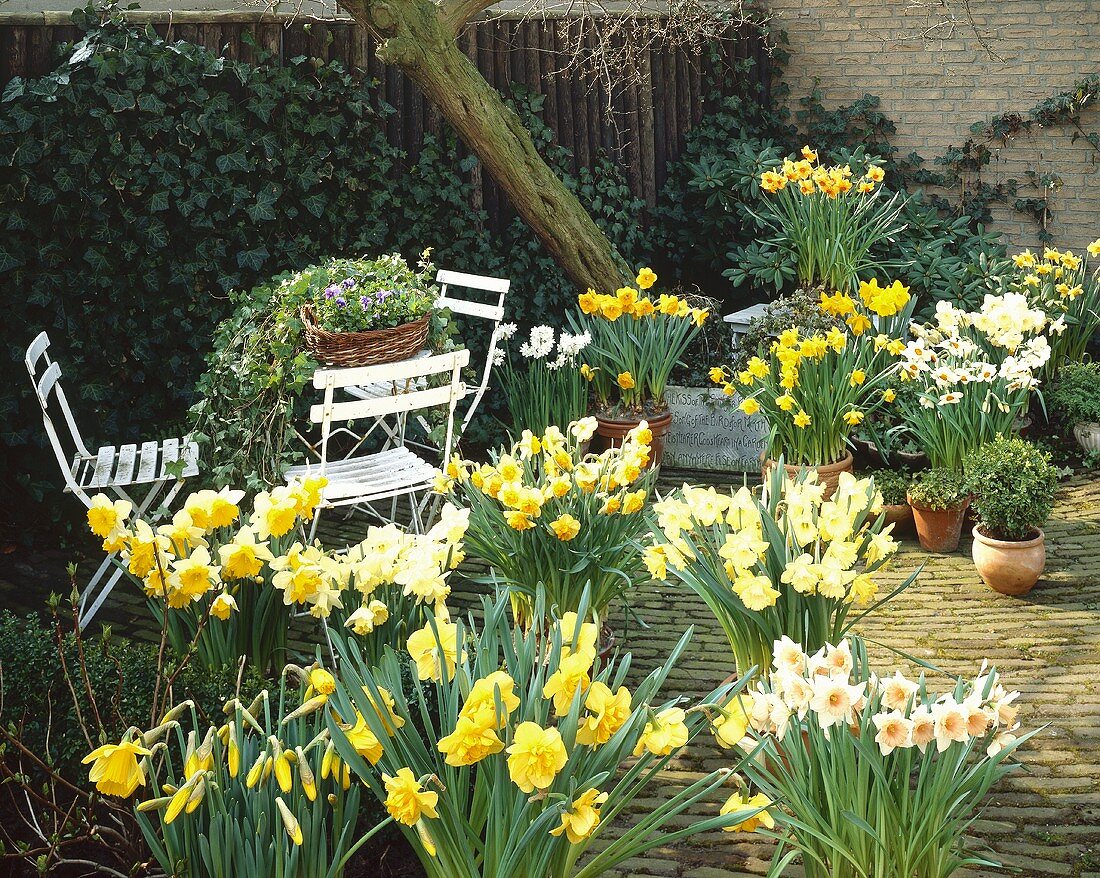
point(418, 36)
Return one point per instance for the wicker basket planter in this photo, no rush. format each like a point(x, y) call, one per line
point(364, 348)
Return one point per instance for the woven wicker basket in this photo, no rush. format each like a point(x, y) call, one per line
point(364, 348)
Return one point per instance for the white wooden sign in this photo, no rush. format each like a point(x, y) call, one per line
point(709, 432)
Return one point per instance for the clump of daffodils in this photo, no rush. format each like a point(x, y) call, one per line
point(827, 217)
point(1062, 285)
point(232, 586)
point(266, 781)
point(524, 761)
point(814, 391)
point(206, 567)
point(636, 341)
point(840, 739)
point(972, 372)
point(546, 512)
point(789, 563)
point(811, 179)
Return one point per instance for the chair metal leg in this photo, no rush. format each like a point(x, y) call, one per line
point(87, 613)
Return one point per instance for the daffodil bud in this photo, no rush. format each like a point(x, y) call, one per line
point(290, 822)
point(282, 773)
point(196, 796)
point(255, 772)
point(154, 804)
point(305, 775)
point(176, 711)
point(234, 752)
point(326, 761)
point(307, 707)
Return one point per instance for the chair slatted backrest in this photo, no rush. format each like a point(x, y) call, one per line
point(485, 311)
point(45, 375)
point(331, 380)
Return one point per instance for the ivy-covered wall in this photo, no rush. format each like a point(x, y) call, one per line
point(941, 69)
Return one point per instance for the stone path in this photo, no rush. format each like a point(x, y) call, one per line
point(1044, 823)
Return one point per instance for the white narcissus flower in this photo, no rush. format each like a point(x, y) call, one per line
point(894, 731)
point(507, 330)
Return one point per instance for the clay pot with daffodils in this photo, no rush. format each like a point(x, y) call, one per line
point(816, 390)
point(636, 341)
point(1014, 484)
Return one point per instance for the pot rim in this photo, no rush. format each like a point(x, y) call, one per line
point(1087, 425)
point(915, 504)
point(844, 463)
point(657, 420)
point(1009, 545)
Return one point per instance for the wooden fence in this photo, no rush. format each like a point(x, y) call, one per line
point(643, 129)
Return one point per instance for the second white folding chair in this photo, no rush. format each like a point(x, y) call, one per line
point(491, 312)
point(396, 471)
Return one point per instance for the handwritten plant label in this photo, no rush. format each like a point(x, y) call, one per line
point(709, 432)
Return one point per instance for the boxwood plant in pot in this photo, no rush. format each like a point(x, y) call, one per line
point(1074, 397)
point(637, 340)
point(1014, 484)
point(939, 498)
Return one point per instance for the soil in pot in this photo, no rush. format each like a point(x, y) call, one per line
point(612, 433)
point(939, 529)
point(827, 474)
point(1009, 566)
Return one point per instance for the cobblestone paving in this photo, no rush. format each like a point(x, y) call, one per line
point(1042, 823)
point(1045, 822)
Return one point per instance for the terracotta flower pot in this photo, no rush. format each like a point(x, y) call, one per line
point(1009, 566)
point(1088, 436)
point(900, 515)
point(939, 529)
point(613, 433)
point(827, 474)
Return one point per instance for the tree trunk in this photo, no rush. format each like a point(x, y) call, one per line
point(419, 37)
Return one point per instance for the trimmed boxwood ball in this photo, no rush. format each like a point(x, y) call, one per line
point(1014, 485)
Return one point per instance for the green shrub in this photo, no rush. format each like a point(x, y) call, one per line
point(37, 700)
point(1014, 485)
point(892, 484)
point(1075, 394)
point(939, 489)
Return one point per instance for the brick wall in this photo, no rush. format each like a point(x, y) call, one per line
point(934, 89)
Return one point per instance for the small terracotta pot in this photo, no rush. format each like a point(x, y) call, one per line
point(1088, 436)
point(827, 474)
point(939, 529)
point(900, 515)
point(613, 432)
point(1009, 566)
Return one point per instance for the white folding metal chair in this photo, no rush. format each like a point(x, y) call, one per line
point(151, 466)
point(489, 311)
point(397, 470)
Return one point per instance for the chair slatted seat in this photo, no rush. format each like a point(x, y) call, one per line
point(155, 467)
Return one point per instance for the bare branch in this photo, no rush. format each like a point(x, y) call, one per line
point(457, 13)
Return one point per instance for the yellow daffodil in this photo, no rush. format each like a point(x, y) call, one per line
point(749, 406)
point(115, 768)
point(223, 606)
point(646, 278)
point(105, 515)
point(535, 757)
point(470, 742)
point(737, 803)
point(607, 712)
point(406, 799)
point(625, 380)
point(565, 527)
point(663, 733)
point(582, 816)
